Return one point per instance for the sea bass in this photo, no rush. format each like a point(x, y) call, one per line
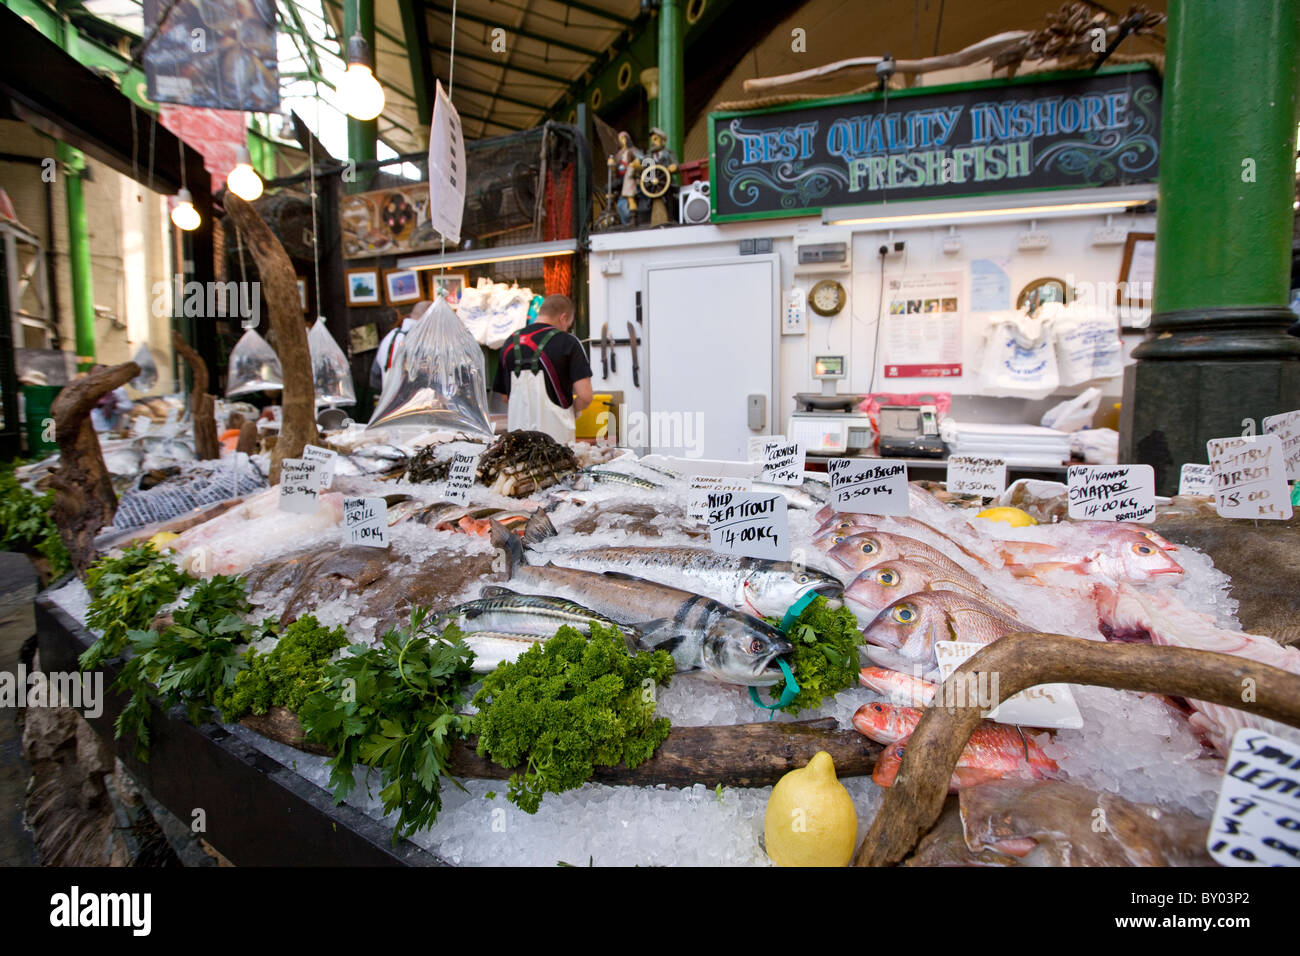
point(881, 584)
point(910, 626)
point(700, 633)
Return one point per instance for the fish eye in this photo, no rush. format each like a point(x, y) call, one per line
point(755, 646)
point(838, 539)
point(904, 614)
point(877, 708)
point(802, 579)
point(868, 547)
point(887, 577)
point(898, 751)
point(1144, 549)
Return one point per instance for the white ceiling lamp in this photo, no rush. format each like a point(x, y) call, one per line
point(362, 96)
point(243, 180)
point(184, 215)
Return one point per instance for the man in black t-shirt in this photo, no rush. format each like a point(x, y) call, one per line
point(546, 348)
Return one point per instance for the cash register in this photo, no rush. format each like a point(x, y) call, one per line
point(827, 422)
point(910, 431)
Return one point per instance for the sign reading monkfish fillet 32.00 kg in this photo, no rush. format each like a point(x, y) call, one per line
point(749, 523)
point(1112, 493)
point(868, 487)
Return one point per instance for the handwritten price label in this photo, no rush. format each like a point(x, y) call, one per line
point(758, 444)
point(1287, 428)
point(783, 463)
point(1257, 819)
point(698, 505)
point(750, 524)
point(977, 475)
point(366, 521)
point(868, 487)
point(1249, 477)
point(1044, 705)
point(1195, 479)
point(1112, 493)
point(299, 486)
point(460, 476)
point(324, 460)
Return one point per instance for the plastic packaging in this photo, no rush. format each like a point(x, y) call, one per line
point(1087, 343)
point(254, 366)
point(1096, 446)
point(148, 377)
point(1019, 357)
point(1074, 413)
point(329, 368)
point(438, 379)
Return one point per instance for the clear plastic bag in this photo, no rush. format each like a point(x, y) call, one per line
point(438, 379)
point(254, 366)
point(148, 377)
point(329, 368)
point(1074, 413)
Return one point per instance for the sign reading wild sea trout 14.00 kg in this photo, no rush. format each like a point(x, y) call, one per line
point(1068, 131)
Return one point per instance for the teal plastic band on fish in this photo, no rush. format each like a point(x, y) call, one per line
point(787, 696)
point(796, 609)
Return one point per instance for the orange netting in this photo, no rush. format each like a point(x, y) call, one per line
point(557, 271)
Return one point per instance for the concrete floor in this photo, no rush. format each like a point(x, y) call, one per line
point(17, 623)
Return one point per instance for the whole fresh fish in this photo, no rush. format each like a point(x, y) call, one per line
point(881, 584)
point(966, 774)
point(900, 688)
point(700, 633)
point(919, 501)
point(242, 536)
point(860, 551)
point(834, 531)
point(620, 478)
point(1068, 533)
point(910, 626)
point(759, 587)
point(795, 496)
point(1122, 556)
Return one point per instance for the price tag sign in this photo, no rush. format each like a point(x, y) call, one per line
point(324, 459)
point(977, 475)
point(1044, 705)
point(749, 523)
point(758, 444)
point(698, 504)
point(299, 486)
point(460, 476)
point(1112, 493)
point(1287, 428)
point(366, 521)
point(868, 487)
point(140, 425)
point(1257, 819)
point(783, 463)
point(1195, 479)
point(1249, 477)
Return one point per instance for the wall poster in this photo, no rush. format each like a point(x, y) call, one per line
point(922, 337)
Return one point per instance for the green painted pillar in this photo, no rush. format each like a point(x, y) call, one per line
point(1217, 351)
point(359, 17)
point(83, 288)
point(672, 74)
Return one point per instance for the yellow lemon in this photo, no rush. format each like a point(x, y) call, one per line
point(1012, 516)
point(161, 538)
point(810, 820)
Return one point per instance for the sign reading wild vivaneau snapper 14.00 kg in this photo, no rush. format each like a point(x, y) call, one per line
point(750, 524)
point(1089, 130)
point(868, 487)
point(1112, 493)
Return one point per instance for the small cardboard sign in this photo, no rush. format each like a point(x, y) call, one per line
point(1112, 493)
point(366, 521)
point(758, 443)
point(868, 487)
point(1249, 477)
point(1257, 817)
point(460, 476)
point(324, 459)
point(698, 504)
point(981, 475)
point(299, 486)
point(1044, 705)
point(783, 463)
point(1196, 479)
point(1287, 427)
point(748, 523)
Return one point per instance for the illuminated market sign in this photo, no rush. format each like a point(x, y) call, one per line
point(1064, 131)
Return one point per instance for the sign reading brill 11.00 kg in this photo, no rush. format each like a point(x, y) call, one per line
point(1093, 130)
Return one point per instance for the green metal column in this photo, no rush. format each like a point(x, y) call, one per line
point(359, 17)
point(1217, 351)
point(672, 76)
point(83, 289)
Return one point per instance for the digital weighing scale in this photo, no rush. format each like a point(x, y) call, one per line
point(826, 422)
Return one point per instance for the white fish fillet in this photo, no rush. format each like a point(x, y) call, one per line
point(233, 542)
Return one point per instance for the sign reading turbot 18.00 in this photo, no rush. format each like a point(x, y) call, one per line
point(1093, 130)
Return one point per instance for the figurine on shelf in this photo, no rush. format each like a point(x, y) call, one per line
point(655, 170)
point(625, 163)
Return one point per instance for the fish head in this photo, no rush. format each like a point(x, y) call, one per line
point(1143, 559)
point(742, 651)
point(885, 723)
point(888, 764)
point(882, 584)
point(771, 593)
point(858, 552)
point(906, 620)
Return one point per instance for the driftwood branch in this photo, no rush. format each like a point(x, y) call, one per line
point(280, 287)
point(743, 755)
point(1023, 660)
point(201, 408)
point(84, 500)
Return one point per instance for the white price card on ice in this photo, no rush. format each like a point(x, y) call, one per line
point(324, 459)
point(1257, 819)
point(299, 486)
point(1287, 428)
point(981, 475)
point(749, 523)
point(758, 444)
point(1195, 479)
point(697, 506)
point(1112, 493)
point(461, 472)
point(1044, 705)
point(366, 521)
point(140, 425)
point(1249, 477)
point(783, 463)
point(871, 486)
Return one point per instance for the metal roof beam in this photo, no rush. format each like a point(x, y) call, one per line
point(596, 12)
point(561, 81)
point(540, 107)
point(518, 31)
point(416, 26)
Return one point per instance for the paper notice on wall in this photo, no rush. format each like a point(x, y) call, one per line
point(1043, 705)
point(922, 335)
point(1255, 818)
point(749, 523)
point(1249, 477)
point(447, 174)
point(1287, 428)
point(990, 286)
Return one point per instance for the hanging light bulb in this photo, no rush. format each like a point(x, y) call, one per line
point(184, 215)
point(362, 96)
point(243, 180)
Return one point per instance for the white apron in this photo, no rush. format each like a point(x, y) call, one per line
point(530, 408)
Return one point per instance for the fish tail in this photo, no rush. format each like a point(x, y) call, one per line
point(508, 545)
point(538, 528)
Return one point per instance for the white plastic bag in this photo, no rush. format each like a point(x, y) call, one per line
point(1087, 344)
point(329, 368)
point(510, 316)
point(1075, 413)
point(148, 376)
point(472, 311)
point(1096, 446)
point(254, 366)
point(1019, 356)
point(438, 379)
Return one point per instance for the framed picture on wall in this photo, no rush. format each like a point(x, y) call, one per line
point(302, 293)
point(401, 286)
point(363, 287)
point(1137, 271)
point(452, 282)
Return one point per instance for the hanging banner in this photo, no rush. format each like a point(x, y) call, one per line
point(215, 134)
point(922, 334)
point(1098, 129)
point(218, 53)
point(447, 174)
